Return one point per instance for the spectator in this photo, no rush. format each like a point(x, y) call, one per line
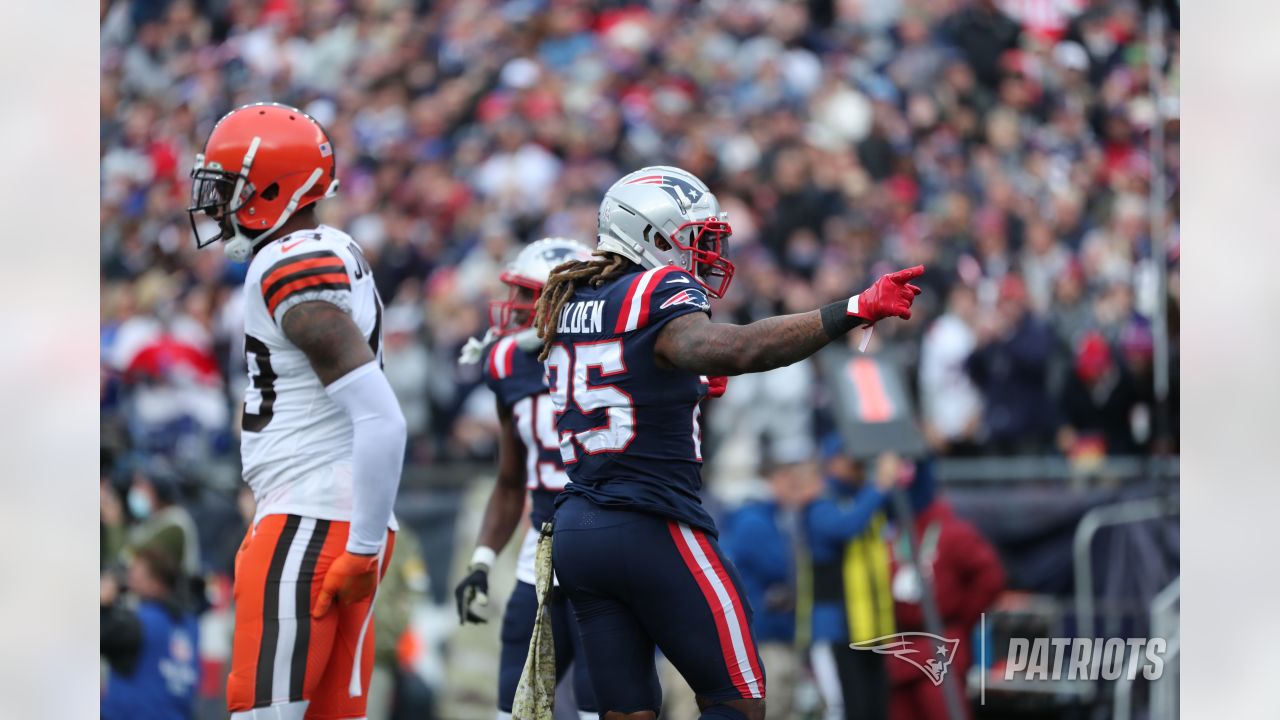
point(1071, 314)
point(1043, 259)
point(966, 576)
point(800, 205)
point(772, 410)
point(1010, 366)
point(394, 691)
point(408, 367)
point(848, 599)
point(951, 404)
point(150, 647)
point(1098, 403)
point(760, 539)
point(983, 33)
point(161, 522)
point(1137, 348)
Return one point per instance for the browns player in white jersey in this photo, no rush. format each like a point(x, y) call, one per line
point(323, 436)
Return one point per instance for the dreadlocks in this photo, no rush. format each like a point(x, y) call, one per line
point(563, 281)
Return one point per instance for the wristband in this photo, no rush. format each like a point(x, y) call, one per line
point(838, 317)
point(483, 556)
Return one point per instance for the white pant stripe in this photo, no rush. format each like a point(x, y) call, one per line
point(736, 631)
point(289, 610)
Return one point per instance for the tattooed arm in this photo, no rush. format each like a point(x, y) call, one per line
point(329, 338)
point(692, 342)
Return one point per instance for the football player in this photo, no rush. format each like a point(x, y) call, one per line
point(528, 458)
point(323, 436)
point(627, 339)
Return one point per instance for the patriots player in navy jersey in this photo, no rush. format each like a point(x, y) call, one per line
point(628, 345)
point(528, 459)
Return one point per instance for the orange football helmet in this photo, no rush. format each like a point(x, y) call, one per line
point(261, 164)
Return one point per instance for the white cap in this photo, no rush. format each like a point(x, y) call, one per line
point(520, 73)
point(1071, 56)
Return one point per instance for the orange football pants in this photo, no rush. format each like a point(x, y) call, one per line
point(280, 654)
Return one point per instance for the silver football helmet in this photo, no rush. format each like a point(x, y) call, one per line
point(662, 215)
point(525, 276)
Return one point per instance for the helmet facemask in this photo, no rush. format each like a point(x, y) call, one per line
point(212, 192)
point(221, 194)
point(707, 243)
point(510, 316)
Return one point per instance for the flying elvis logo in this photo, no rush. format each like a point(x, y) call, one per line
point(684, 192)
point(687, 297)
point(931, 654)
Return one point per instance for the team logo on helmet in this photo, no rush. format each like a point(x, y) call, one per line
point(557, 255)
point(901, 646)
point(684, 192)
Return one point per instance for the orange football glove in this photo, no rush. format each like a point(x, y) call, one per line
point(351, 578)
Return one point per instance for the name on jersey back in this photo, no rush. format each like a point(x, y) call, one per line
point(586, 316)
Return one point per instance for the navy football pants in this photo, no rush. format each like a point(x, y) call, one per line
point(517, 630)
point(637, 581)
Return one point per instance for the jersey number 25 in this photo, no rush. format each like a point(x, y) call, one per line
point(572, 386)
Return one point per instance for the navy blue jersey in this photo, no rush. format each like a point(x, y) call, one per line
point(518, 379)
point(629, 430)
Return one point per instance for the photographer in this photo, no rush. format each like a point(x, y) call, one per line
point(149, 642)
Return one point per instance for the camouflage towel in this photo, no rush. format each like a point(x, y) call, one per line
point(536, 693)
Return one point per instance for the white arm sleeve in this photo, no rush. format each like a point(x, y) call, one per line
point(378, 452)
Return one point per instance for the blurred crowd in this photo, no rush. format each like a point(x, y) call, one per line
point(1006, 145)
point(1003, 145)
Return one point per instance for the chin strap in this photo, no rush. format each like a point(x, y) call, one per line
point(293, 203)
point(239, 247)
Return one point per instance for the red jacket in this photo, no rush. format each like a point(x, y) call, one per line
point(967, 578)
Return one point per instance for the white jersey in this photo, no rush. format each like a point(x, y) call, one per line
point(296, 444)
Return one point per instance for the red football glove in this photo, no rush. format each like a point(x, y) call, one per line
point(716, 385)
point(889, 296)
point(351, 578)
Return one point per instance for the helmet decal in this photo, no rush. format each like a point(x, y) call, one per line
point(682, 191)
point(557, 254)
